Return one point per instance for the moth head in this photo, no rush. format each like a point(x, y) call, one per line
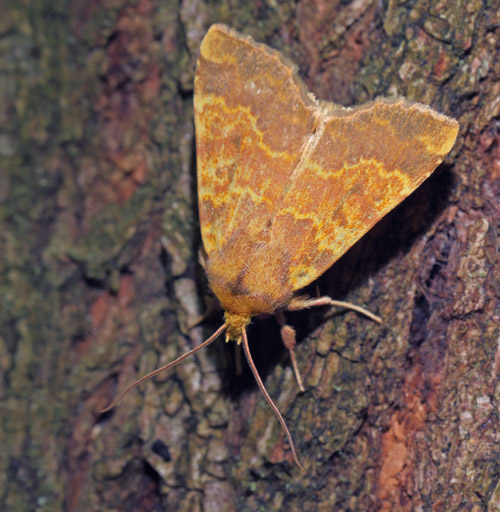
point(236, 323)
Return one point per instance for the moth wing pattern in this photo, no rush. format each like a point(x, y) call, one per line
point(362, 162)
point(286, 183)
point(243, 154)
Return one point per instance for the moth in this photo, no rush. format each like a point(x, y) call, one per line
point(288, 183)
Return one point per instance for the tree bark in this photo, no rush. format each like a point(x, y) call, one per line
point(99, 275)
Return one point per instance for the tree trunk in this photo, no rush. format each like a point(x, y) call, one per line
point(100, 278)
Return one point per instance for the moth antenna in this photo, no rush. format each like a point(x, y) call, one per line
point(256, 375)
point(207, 342)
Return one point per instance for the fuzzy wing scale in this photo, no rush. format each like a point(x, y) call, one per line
point(252, 115)
point(363, 162)
point(286, 184)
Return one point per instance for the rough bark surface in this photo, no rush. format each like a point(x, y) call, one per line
point(99, 276)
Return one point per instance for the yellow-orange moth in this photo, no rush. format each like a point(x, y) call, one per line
point(287, 183)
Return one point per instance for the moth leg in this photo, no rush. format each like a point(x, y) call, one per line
point(316, 289)
point(301, 303)
point(288, 338)
point(237, 359)
point(211, 309)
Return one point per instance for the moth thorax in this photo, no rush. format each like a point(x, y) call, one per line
point(236, 324)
